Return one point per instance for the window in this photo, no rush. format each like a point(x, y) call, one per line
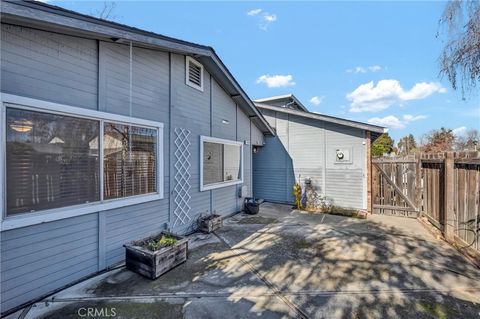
point(52, 161)
point(194, 74)
point(221, 163)
point(129, 160)
point(59, 156)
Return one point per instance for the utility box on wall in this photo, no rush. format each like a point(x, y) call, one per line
point(343, 155)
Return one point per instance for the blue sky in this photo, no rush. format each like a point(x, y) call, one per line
point(368, 61)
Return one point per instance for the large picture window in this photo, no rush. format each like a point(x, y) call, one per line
point(221, 163)
point(58, 159)
point(50, 161)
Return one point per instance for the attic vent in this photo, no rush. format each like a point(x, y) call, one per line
point(194, 74)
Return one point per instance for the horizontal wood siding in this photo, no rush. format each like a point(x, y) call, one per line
point(244, 135)
point(126, 224)
point(224, 109)
point(307, 148)
point(190, 110)
point(345, 183)
point(258, 139)
point(38, 259)
point(49, 66)
point(307, 151)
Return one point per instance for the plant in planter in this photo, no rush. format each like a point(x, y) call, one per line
point(155, 255)
point(209, 223)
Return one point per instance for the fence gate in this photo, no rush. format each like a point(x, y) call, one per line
point(394, 187)
point(433, 177)
point(444, 187)
point(466, 204)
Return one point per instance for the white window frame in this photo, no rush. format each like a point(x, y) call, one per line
point(43, 216)
point(189, 60)
point(220, 141)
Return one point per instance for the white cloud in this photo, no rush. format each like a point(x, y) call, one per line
point(254, 12)
point(270, 17)
point(364, 69)
point(390, 121)
point(358, 69)
point(316, 100)
point(393, 122)
point(264, 20)
point(459, 131)
point(410, 118)
point(370, 98)
point(276, 81)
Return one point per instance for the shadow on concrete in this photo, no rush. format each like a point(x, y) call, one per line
point(283, 263)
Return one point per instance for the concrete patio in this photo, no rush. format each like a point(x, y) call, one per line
point(283, 263)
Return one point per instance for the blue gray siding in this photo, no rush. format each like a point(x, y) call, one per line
point(39, 259)
point(305, 148)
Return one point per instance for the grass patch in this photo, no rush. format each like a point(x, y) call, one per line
point(302, 244)
point(258, 220)
point(436, 310)
point(348, 212)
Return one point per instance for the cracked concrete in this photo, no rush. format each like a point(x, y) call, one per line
point(284, 264)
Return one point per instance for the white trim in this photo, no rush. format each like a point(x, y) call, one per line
point(220, 141)
point(51, 107)
point(189, 60)
point(27, 219)
point(160, 163)
point(100, 158)
point(3, 162)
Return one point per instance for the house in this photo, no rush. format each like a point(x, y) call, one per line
point(333, 153)
point(111, 134)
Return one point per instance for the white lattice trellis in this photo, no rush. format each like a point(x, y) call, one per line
point(182, 177)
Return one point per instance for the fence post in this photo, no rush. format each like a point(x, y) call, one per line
point(418, 184)
point(449, 213)
point(368, 147)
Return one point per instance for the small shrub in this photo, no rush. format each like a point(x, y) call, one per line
point(164, 241)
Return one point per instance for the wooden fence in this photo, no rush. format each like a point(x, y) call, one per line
point(444, 187)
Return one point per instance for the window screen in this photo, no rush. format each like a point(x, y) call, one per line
point(129, 160)
point(52, 161)
point(221, 163)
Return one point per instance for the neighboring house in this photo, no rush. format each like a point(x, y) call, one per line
point(333, 152)
point(111, 134)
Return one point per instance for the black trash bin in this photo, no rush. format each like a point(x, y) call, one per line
point(252, 205)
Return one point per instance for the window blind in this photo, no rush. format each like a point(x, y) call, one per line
point(129, 160)
point(52, 161)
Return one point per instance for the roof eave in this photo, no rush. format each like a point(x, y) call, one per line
point(45, 15)
point(326, 118)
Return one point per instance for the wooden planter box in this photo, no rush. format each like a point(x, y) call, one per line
point(208, 224)
point(152, 264)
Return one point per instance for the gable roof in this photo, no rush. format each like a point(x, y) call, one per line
point(286, 97)
point(331, 119)
point(57, 19)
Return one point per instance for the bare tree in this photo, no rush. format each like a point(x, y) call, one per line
point(106, 12)
point(460, 58)
point(435, 141)
point(468, 142)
